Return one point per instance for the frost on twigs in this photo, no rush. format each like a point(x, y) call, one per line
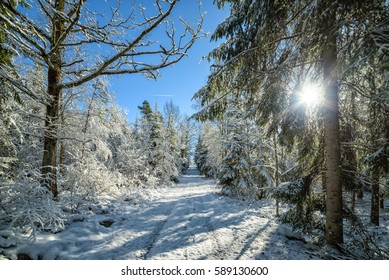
point(30, 207)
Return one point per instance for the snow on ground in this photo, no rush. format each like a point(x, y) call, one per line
point(187, 221)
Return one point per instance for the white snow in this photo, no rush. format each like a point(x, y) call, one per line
point(188, 221)
point(7, 239)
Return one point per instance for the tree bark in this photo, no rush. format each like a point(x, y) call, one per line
point(377, 164)
point(375, 198)
point(49, 159)
point(382, 201)
point(62, 143)
point(353, 200)
point(276, 172)
point(334, 200)
point(62, 159)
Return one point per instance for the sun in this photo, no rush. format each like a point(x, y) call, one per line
point(310, 94)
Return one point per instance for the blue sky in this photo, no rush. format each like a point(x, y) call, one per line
point(179, 82)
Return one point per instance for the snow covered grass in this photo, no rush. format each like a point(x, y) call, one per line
point(190, 220)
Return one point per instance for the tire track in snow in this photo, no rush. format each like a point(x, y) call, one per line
point(217, 251)
point(202, 224)
point(186, 233)
point(154, 239)
point(139, 232)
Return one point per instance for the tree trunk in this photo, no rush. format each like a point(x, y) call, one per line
point(350, 153)
point(276, 172)
point(62, 159)
point(375, 198)
point(62, 144)
point(377, 164)
point(375, 175)
point(49, 159)
point(334, 222)
point(353, 200)
point(382, 201)
point(360, 194)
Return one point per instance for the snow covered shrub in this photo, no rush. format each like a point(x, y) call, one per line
point(7, 239)
point(30, 207)
point(89, 167)
point(165, 166)
point(84, 183)
point(132, 165)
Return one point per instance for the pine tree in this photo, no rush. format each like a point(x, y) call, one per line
point(145, 109)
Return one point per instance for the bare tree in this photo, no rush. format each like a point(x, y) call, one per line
point(76, 42)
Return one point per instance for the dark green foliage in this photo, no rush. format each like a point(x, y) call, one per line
point(209, 152)
point(271, 49)
point(145, 109)
point(159, 144)
point(306, 207)
point(201, 157)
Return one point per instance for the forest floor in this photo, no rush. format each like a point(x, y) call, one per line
point(190, 220)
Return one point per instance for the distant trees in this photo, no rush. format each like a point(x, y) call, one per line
point(272, 49)
point(209, 149)
point(186, 141)
point(75, 44)
point(159, 143)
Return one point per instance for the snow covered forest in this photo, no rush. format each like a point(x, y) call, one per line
point(287, 156)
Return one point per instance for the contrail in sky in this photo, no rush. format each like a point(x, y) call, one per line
point(164, 95)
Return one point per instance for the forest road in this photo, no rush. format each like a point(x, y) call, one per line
point(190, 220)
point(189, 232)
point(193, 221)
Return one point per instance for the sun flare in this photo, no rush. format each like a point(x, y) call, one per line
point(310, 94)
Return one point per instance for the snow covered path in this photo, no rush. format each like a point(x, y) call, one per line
point(188, 221)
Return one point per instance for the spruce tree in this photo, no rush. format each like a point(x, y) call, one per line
point(209, 149)
point(159, 144)
point(243, 172)
point(186, 136)
point(273, 46)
